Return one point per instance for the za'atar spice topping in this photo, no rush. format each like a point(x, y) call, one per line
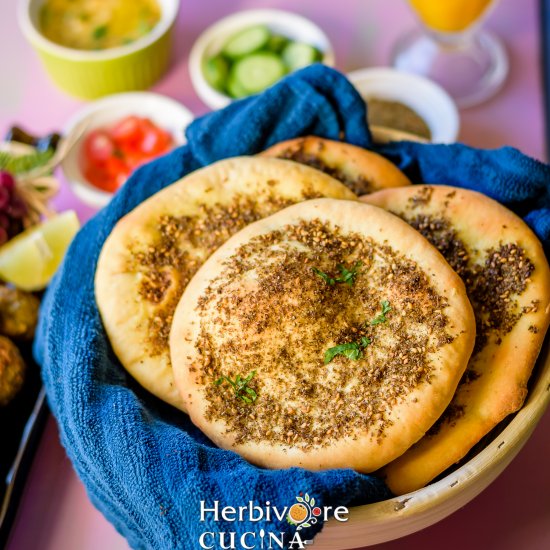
point(301, 338)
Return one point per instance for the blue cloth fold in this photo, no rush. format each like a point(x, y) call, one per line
point(507, 175)
point(144, 465)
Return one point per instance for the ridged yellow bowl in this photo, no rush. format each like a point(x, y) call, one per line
point(92, 74)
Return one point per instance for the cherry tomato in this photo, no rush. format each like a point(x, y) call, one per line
point(134, 159)
point(110, 155)
point(99, 177)
point(128, 130)
point(154, 141)
point(116, 166)
point(98, 146)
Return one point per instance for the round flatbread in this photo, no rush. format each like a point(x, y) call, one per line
point(360, 170)
point(508, 281)
point(329, 335)
point(153, 252)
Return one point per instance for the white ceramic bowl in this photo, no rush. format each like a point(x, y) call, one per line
point(214, 37)
point(163, 111)
point(425, 97)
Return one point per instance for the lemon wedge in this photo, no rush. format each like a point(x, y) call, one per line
point(31, 259)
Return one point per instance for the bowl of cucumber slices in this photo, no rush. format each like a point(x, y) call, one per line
point(249, 51)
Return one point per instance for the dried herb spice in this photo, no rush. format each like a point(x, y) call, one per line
point(398, 116)
point(494, 280)
point(303, 318)
point(358, 184)
point(493, 285)
point(182, 244)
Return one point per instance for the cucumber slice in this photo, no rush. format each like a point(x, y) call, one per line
point(258, 71)
point(246, 42)
point(277, 43)
point(215, 71)
point(297, 55)
point(234, 88)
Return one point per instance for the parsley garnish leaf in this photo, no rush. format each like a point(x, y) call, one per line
point(365, 341)
point(381, 318)
point(354, 350)
point(329, 280)
point(240, 387)
point(351, 350)
point(346, 276)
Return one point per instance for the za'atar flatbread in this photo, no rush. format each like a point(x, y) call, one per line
point(154, 251)
point(507, 279)
point(329, 335)
point(361, 170)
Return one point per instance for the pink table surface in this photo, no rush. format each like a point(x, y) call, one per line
point(514, 512)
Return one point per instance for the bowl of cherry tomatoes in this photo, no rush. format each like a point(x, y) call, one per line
point(116, 135)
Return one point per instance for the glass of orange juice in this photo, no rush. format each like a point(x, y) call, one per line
point(451, 48)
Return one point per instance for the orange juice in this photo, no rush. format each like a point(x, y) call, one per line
point(449, 15)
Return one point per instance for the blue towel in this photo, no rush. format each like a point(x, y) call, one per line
point(145, 466)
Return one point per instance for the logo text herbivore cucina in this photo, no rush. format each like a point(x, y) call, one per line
point(302, 514)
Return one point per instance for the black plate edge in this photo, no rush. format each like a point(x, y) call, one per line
point(19, 471)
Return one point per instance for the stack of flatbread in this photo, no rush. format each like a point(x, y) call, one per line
point(300, 326)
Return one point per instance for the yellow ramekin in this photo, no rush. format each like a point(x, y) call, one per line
point(93, 74)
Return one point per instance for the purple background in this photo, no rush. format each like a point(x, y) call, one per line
point(514, 512)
